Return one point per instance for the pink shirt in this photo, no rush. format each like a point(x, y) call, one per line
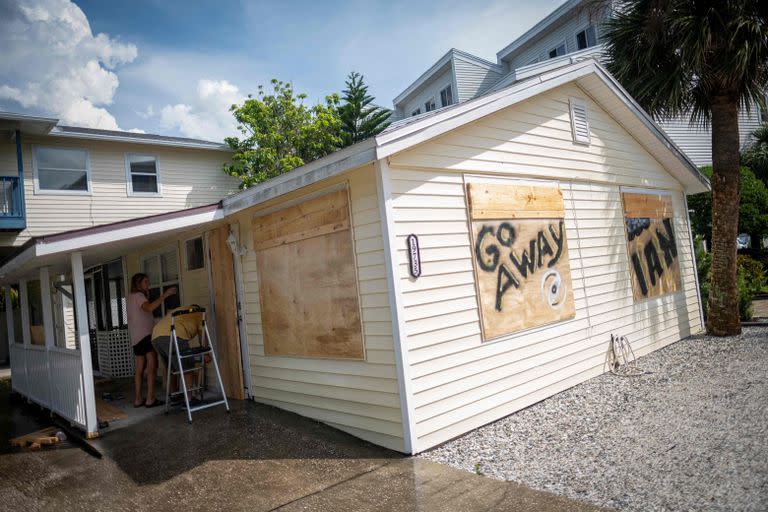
point(140, 323)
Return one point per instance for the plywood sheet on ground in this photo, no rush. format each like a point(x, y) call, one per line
point(108, 412)
point(308, 281)
point(651, 245)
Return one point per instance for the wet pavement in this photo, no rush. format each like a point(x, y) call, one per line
point(255, 458)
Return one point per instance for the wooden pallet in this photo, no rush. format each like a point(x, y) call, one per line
point(36, 440)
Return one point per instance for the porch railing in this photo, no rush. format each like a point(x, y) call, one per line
point(11, 204)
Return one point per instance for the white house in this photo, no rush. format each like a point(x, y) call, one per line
point(569, 34)
point(452, 270)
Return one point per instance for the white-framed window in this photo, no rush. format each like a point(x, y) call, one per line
point(60, 170)
point(586, 38)
point(142, 173)
point(194, 253)
point(557, 50)
point(446, 96)
point(764, 112)
point(162, 268)
point(429, 105)
point(416, 112)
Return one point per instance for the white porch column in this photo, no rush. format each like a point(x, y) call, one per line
point(45, 298)
point(9, 317)
point(25, 333)
point(81, 309)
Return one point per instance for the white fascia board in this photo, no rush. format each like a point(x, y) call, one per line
point(136, 140)
point(432, 126)
point(334, 164)
point(537, 29)
point(437, 66)
point(86, 240)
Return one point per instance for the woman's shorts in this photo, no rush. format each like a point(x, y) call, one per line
point(144, 346)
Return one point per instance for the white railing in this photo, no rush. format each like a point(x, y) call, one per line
point(18, 369)
point(51, 377)
point(38, 384)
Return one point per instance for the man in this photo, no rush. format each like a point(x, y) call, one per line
point(189, 328)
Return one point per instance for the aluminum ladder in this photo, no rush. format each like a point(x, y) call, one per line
point(201, 351)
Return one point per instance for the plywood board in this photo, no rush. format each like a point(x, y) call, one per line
point(308, 280)
point(316, 217)
point(523, 274)
point(651, 245)
point(496, 201)
point(108, 412)
point(225, 307)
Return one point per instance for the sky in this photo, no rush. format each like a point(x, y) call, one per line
point(174, 67)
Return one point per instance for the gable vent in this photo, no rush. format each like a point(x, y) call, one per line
point(579, 121)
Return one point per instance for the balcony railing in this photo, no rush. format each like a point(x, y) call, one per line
point(11, 204)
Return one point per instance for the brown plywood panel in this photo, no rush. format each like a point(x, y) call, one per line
point(316, 217)
point(495, 201)
point(523, 274)
point(652, 250)
point(227, 333)
point(646, 205)
point(309, 298)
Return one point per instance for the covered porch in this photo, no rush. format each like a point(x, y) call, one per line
point(69, 323)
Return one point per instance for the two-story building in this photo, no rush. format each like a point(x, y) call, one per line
point(56, 179)
point(571, 33)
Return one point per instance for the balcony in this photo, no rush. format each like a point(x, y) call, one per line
point(11, 204)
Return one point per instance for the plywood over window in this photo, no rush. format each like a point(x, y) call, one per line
point(308, 280)
point(651, 244)
point(520, 256)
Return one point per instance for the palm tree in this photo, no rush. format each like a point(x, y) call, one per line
point(705, 58)
point(360, 118)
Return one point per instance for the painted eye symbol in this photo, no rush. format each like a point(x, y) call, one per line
point(553, 289)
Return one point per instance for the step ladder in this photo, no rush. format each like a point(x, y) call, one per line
point(176, 355)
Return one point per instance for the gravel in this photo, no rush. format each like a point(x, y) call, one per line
point(691, 434)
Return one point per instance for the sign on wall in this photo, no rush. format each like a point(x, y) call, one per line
point(651, 244)
point(520, 256)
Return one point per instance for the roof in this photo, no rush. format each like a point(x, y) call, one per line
point(406, 133)
point(442, 63)
point(107, 241)
point(50, 126)
point(537, 29)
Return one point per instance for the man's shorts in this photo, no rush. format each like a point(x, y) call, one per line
point(162, 343)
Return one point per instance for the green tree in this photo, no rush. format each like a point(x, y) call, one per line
point(753, 208)
point(756, 155)
point(281, 133)
point(360, 118)
point(704, 58)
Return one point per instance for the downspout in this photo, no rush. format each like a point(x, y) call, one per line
point(238, 251)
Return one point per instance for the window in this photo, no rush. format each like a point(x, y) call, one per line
point(163, 271)
point(429, 105)
point(557, 51)
point(194, 253)
point(416, 112)
point(446, 96)
point(142, 174)
point(586, 38)
point(61, 170)
point(764, 112)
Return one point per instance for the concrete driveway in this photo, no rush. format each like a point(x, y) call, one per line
point(255, 458)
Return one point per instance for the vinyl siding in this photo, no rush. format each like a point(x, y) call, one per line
point(188, 178)
point(564, 30)
point(459, 382)
point(359, 397)
point(430, 90)
point(471, 79)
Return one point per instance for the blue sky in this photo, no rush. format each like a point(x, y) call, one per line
point(168, 66)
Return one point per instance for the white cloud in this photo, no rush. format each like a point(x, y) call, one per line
point(51, 61)
point(207, 115)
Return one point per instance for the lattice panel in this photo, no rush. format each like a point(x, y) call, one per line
point(115, 353)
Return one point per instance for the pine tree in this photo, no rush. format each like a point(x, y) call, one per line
point(360, 118)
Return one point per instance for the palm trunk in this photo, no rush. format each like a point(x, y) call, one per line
point(723, 307)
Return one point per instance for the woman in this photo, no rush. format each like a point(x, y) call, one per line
point(140, 324)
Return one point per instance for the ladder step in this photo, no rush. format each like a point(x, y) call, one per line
point(205, 406)
point(175, 393)
point(188, 370)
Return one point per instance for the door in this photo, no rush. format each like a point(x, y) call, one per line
point(225, 307)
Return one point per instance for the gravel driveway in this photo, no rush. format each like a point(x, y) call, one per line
point(692, 434)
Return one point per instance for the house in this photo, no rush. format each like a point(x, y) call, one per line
point(571, 33)
point(56, 178)
point(450, 271)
